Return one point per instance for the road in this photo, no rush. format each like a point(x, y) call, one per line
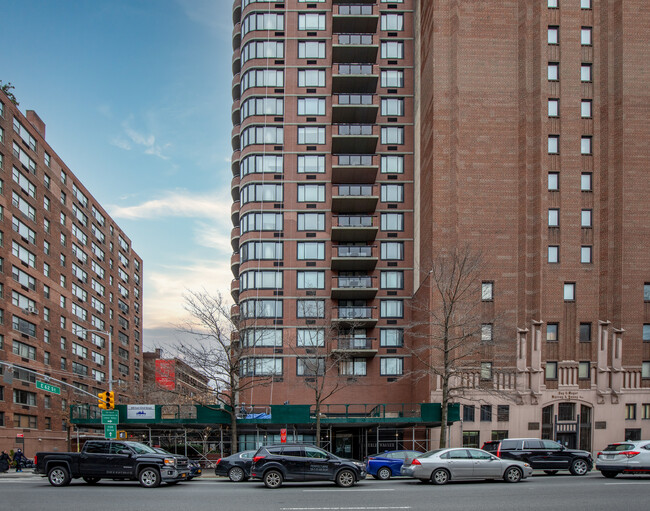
point(560, 492)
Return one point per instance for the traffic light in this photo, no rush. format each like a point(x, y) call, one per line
point(103, 400)
point(110, 400)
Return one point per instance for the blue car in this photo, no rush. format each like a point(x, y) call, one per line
point(387, 464)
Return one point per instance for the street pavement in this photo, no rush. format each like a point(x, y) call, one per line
point(593, 492)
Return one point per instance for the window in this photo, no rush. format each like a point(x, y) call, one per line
point(262, 78)
point(392, 135)
point(585, 182)
point(503, 413)
point(311, 21)
point(311, 250)
point(645, 370)
point(353, 367)
point(551, 370)
point(487, 291)
point(311, 163)
point(391, 366)
point(311, 49)
point(585, 332)
point(646, 292)
point(553, 35)
point(553, 254)
point(585, 109)
point(392, 50)
point(310, 308)
point(392, 221)
point(392, 279)
point(645, 411)
point(553, 72)
point(261, 366)
point(486, 371)
point(486, 333)
point(262, 21)
point(486, 413)
point(311, 280)
point(313, 366)
point(553, 144)
point(392, 193)
point(585, 4)
point(262, 106)
point(569, 291)
point(261, 193)
point(552, 332)
point(24, 421)
point(261, 308)
point(392, 22)
point(311, 221)
point(584, 370)
point(23, 350)
point(585, 72)
point(553, 217)
point(261, 135)
point(392, 78)
point(391, 337)
point(392, 164)
point(310, 337)
point(311, 106)
point(260, 164)
point(553, 107)
point(311, 78)
point(392, 107)
point(553, 181)
point(585, 145)
point(469, 413)
point(395, 250)
point(585, 254)
point(585, 36)
point(311, 193)
point(261, 280)
point(311, 135)
point(630, 411)
point(646, 332)
point(262, 50)
point(392, 309)
point(262, 337)
point(585, 218)
point(553, 4)
point(261, 222)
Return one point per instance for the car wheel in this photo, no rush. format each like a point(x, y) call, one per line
point(550, 472)
point(383, 473)
point(59, 476)
point(609, 474)
point(91, 480)
point(579, 468)
point(440, 476)
point(513, 475)
point(236, 474)
point(273, 479)
point(345, 478)
point(149, 477)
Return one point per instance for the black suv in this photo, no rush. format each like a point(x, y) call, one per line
point(545, 455)
point(274, 464)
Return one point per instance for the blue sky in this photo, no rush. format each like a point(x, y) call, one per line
point(136, 99)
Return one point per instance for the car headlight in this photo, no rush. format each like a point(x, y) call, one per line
point(170, 461)
point(526, 465)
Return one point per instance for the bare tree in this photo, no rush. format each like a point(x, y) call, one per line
point(216, 351)
point(451, 331)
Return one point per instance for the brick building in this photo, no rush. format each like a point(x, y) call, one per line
point(369, 135)
point(68, 277)
point(170, 380)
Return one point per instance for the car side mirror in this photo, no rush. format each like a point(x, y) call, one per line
point(125, 451)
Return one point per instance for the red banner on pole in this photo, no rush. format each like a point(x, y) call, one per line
point(166, 374)
point(283, 436)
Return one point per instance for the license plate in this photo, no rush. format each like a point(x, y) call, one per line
point(609, 456)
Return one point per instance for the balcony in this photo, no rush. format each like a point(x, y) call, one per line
point(234, 163)
point(234, 264)
point(236, 87)
point(234, 138)
point(236, 61)
point(353, 258)
point(234, 188)
point(234, 313)
point(356, 346)
point(234, 238)
point(354, 168)
point(354, 48)
point(354, 288)
point(354, 78)
point(236, 36)
point(359, 138)
point(235, 113)
point(354, 317)
point(234, 213)
point(354, 228)
point(234, 289)
point(236, 11)
point(354, 199)
point(354, 109)
point(354, 18)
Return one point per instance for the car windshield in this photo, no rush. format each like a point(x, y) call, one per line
point(430, 453)
point(161, 451)
point(140, 448)
point(619, 447)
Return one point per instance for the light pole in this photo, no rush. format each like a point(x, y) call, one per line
point(110, 356)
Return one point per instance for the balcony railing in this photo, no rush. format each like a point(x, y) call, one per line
point(355, 39)
point(355, 99)
point(354, 221)
point(362, 282)
point(355, 343)
point(355, 160)
point(355, 69)
point(355, 10)
point(355, 129)
point(355, 312)
point(355, 190)
point(345, 251)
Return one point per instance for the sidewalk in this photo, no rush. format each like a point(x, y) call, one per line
point(12, 474)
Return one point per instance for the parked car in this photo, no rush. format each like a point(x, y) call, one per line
point(443, 465)
point(275, 464)
point(624, 458)
point(237, 467)
point(545, 455)
point(387, 464)
point(193, 466)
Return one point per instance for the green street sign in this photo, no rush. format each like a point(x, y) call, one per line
point(111, 417)
point(47, 387)
point(110, 431)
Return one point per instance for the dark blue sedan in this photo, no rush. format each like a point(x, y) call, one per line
point(389, 463)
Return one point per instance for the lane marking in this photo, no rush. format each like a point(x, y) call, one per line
point(340, 508)
point(626, 482)
point(347, 490)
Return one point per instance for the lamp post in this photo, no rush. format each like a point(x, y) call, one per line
point(110, 356)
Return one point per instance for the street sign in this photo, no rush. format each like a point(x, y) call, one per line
point(20, 438)
point(110, 431)
point(111, 417)
point(47, 387)
point(283, 436)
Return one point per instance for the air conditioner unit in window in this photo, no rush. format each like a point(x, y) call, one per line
point(31, 310)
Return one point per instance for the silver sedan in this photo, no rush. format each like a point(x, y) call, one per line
point(443, 465)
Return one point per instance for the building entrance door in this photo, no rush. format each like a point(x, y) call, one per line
point(343, 445)
point(568, 440)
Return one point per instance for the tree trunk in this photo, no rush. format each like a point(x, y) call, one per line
point(443, 414)
point(233, 432)
point(317, 424)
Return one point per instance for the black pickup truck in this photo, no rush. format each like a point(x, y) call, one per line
point(107, 459)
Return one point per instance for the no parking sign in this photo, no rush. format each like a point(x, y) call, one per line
point(283, 436)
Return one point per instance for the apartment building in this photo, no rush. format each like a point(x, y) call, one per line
point(69, 278)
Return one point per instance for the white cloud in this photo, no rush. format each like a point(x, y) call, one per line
point(147, 141)
point(121, 143)
point(177, 203)
point(214, 236)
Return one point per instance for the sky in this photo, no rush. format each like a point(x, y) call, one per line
point(135, 95)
